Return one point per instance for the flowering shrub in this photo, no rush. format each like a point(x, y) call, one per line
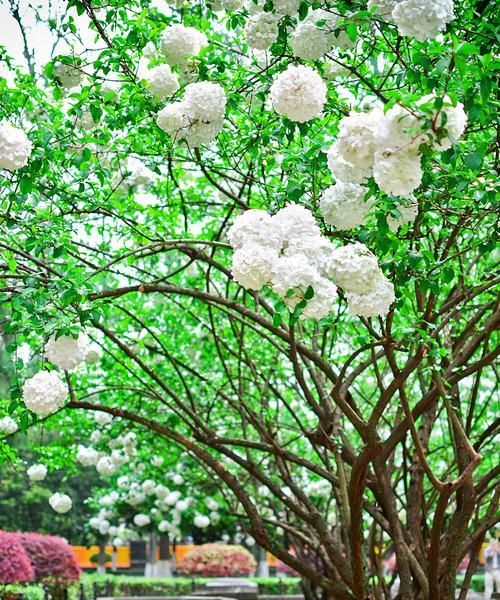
point(15, 566)
point(217, 560)
point(52, 558)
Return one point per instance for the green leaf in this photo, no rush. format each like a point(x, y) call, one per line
point(473, 160)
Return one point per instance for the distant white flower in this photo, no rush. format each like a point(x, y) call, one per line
point(310, 42)
point(343, 205)
point(294, 221)
point(201, 521)
point(157, 461)
point(148, 486)
point(8, 425)
point(15, 147)
point(211, 504)
point(178, 43)
point(105, 466)
point(118, 458)
point(95, 437)
point(205, 100)
point(287, 7)
point(161, 491)
point(60, 503)
point(37, 472)
point(182, 505)
point(178, 479)
point(87, 456)
point(261, 31)
point(137, 173)
point(375, 303)
point(383, 8)
point(423, 19)
point(162, 82)
point(407, 214)
point(68, 76)
point(163, 526)
point(123, 482)
point(172, 119)
point(146, 198)
point(44, 393)
point(354, 268)
point(67, 352)
point(332, 70)
point(172, 498)
point(142, 520)
point(299, 93)
point(102, 418)
point(450, 122)
point(94, 354)
point(399, 172)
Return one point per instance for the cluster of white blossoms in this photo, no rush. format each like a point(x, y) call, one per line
point(343, 205)
point(387, 146)
point(162, 82)
point(179, 43)
point(316, 35)
point(201, 521)
point(87, 457)
point(37, 472)
point(137, 174)
point(288, 252)
point(67, 352)
point(420, 19)
point(199, 117)
point(299, 93)
point(15, 147)
point(261, 30)
point(8, 425)
point(60, 503)
point(67, 75)
point(44, 393)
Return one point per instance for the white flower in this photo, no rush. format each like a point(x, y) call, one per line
point(142, 520)
point(161, 491)
point(332, 70)
point(172, 498)
point(383, 8)
point(422, 19)
point(407, 214)
point(297, 274)
point(118, 458)
point(67, 75)
point(232, 5)
point(87, 456)
point(148, 486)
point(15, 147)
point(109, 88)
point(201, 521)
point(171, 119)
point(205, 100)
point(162, 83)
point(8, 425)
point(105, 466)
point(94, 354)
point(44, 393)
point(182, 505)
point(157, 461)
point(357, 141)
point(252, 266)
point(355, 269)
point(344, 170)
point(199, 133)
point(261, 31)
point(104, 526)
point(295, 221)
point(163, 526)
point(37, 472)
point(299, 93)
point(178, 479)
point(102, 418)
point(138, 173)
point(375, 303)
point(86, 121)
point(60, 503)
point(309, 42)
point(450, 123)
point(136, 497)
point(249, 541)
point(178, 43)
point(343, 205)
point(67, 352)
point(287, 7)
point(145, 198)
point(254, 227)
point(123, 482)
point(316, 248)
point(95, 437)
point(399, 172)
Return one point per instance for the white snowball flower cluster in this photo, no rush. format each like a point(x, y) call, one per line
point(382, 8)
point(105, 466)
point(138, 174)
point(343, 205)
point(87, 457)
point(8, 425)
point(67, 352)
point(178, 43)
point(287, 7)
point(148, 487)
point(157, 461)
point(86, 121)
point(315, 35)
point(15, 147)
point(422, 19)
point(37, 472)
point(301, 259)
point(201, 521)
point(407, 214)
point(162, 82)
point(387, 146)
point(372, 304)
point(199, 117)
point(60, 503)
point(67, 75)
point(102, 418)
point(44, 393)
point(142, 520)
point(299, 93)
point(261, 31)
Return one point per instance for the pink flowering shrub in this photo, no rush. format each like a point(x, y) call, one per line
point(15, 566)
point(217, 560)
point(52, 558)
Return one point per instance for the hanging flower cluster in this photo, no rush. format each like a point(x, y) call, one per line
point(44, 393)
point(60, 503)
point(288, 252)
point(387, 146)
point(261, 30)
point(67, 352)
point(37, 472)
point(162, 82)
point(8, 425)
point(299, 93)
point(179, 43)
point(67, 75)
point(198, 118)
point(15, 147)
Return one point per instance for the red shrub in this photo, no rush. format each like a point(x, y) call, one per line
point(217, 560)
point(15, 566)
point(52, 559)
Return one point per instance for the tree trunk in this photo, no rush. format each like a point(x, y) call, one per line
point(163, 566)
point(101, 558)
point(150, 567)
point(263, 568)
